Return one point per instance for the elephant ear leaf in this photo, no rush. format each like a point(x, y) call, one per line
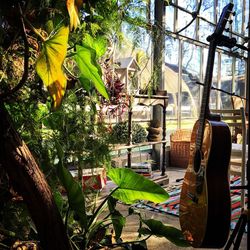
point(157, 228)
point(91, 73)
point(99, 44)
point(74, 191)
point(133, 187)
point(49, 64)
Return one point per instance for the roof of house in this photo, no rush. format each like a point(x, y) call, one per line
point(127, 63)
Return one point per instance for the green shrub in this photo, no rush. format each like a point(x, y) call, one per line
point(120, 133)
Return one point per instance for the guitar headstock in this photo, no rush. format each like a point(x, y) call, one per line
point(224, 18)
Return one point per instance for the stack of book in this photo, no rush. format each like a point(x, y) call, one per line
point(142, 168)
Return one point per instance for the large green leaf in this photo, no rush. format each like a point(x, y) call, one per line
point(118, 220)
point(74, 190)
point(90, 71)
point(158, 229)
point(59, 200)
point(99, 44)
point(49, 64)
point(133, 187)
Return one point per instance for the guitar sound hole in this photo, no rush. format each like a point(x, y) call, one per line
point(197, 161)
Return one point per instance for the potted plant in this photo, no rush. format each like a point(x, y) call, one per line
point(102, 226)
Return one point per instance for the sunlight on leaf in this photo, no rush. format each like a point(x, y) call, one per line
point(133, 187)
point(99, 44)
point(90, 70)
point(158, 229)
point(72, 7)
point(49, 65)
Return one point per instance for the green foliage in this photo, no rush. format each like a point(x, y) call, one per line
point(70, 136)
point(118, 220)
point(130, 187)
point(73, 188)
point(140, 133)
point(107, 15)
point(158, 229)
point(46, 23)
point(134, 187)
point(14, 222)
point(90, 70)
point(120, 133)
point(99, 44)
point(49, 64)
point(85, 142)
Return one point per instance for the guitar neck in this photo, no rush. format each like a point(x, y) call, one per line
point(214, 39)
point(204, 112)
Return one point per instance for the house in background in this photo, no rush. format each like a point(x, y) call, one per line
point(128, 72)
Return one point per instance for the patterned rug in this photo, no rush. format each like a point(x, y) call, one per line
point(171, 206)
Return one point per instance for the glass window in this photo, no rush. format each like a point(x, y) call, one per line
point(193, 68)
point(169, 18)
point(237, 19)
point(171, 50)
point(188, 4)
point(171, 81)
point(171, 73)
point(213, 102)
point(226, 81)
point(246, 17)
point(183, 20)
point(207, 10)
point(205, 30)
point(240, 77)
point(191, 64)
point(221, 5)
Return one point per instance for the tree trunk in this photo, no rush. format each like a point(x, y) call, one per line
point(29, 182)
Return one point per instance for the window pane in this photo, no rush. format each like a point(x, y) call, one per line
point(205, 30)
point(191, 93)
point(183, 20)
point(171, 81)
point(240, 79)
point(190, 5)
point(190, 102)
point(237, 19)
point(207, 10)
point(170, 18)
point(246, 17)
point(171, 49)
point(226, 81)
point(221, 5)
point(213, 102)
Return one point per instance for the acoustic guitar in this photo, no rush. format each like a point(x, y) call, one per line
point(205, 206)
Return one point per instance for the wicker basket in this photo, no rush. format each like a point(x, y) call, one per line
point(179, 148)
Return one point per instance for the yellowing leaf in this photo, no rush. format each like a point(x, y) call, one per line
point(49, 65)
point(72, 7)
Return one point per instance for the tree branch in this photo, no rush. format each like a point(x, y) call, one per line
point(9, 93)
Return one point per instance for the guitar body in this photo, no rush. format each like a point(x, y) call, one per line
point(205, 205)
